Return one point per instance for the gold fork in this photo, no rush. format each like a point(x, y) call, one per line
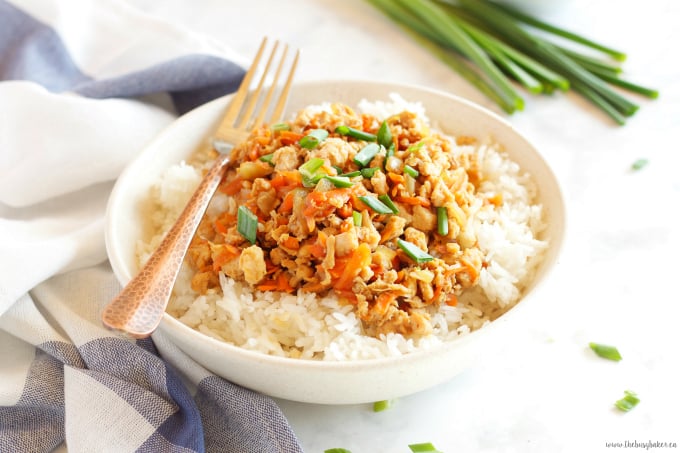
point(138, 309)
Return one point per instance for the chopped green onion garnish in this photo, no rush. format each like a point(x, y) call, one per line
point(356, 218)
point(605, 351)
point(639, 164)
point(380, 406)
point(366, 155)
point(415, 147)
point(387, 201)
point(413, 252)
point(389, 153)
point(281, 127)
point(310, 171)
point(375, 204)
point(337, 450)
point(426, 447)
point(267, 158)
point(385, 135)
point(442, 221)
point(340, 181)
point(356, 133)
point(368, 172)
point(629, 401)
point(313, 138)
point(412, 172)
point(351, 174)
point(246, 224)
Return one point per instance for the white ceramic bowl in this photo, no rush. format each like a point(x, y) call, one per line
point(331, 382)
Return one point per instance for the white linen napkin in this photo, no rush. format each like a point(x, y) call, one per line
point(84, 85)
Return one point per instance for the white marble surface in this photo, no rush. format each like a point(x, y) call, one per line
point(544, 391)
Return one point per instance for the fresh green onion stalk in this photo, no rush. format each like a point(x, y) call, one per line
point(501, 50)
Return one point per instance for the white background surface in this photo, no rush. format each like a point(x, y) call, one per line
point(544, 391)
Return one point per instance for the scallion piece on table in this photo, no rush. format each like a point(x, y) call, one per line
point(366, 154)
point(313, 138)
point(342, 182)
point(442, 221)
point(267, 158)
point(384, 135)
point(375, 204)
point(412, 172)
point(310, 171)
point(356, 133)
point(387, 201)
point(425, 447)
point(628, 402)
point(639, 164)
point(368, 172)
point(383, 405)
point(606, 351)
point(337, 450)
point(246, 224)
point(280, 127)
point(413, 252)
point(356, 218)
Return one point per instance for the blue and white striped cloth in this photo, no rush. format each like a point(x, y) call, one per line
point(84, 84)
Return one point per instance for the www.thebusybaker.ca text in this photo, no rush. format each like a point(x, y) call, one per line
point(641, 444)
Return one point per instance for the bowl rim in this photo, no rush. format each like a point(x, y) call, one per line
point(169, 322)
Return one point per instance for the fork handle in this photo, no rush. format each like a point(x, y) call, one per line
point(138, 309)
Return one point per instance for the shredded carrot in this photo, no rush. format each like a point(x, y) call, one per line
point(322, 204)
point(220, 227)
point(286, 179)
point(366, 122)
point(232, 187)
point(264, 137)
point(383, 301)
point(422, 201)
point(471, 270)
point(358, 260)
point(339, 268)
point(345, 211)
point(318, 248)
point(227, 253)
point(287, 203)
point(221, 224)
point(395, 178)
point(496, 199)
point(347, 296)
point(289, 137)
point(292, 243)
point(436, 293)
point(279, 284)
point(452, 300)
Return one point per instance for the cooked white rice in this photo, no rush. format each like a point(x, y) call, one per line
point(305, 326)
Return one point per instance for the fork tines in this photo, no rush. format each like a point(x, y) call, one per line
point(244, 118)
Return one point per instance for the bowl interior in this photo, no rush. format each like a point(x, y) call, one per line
point(327, 382)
